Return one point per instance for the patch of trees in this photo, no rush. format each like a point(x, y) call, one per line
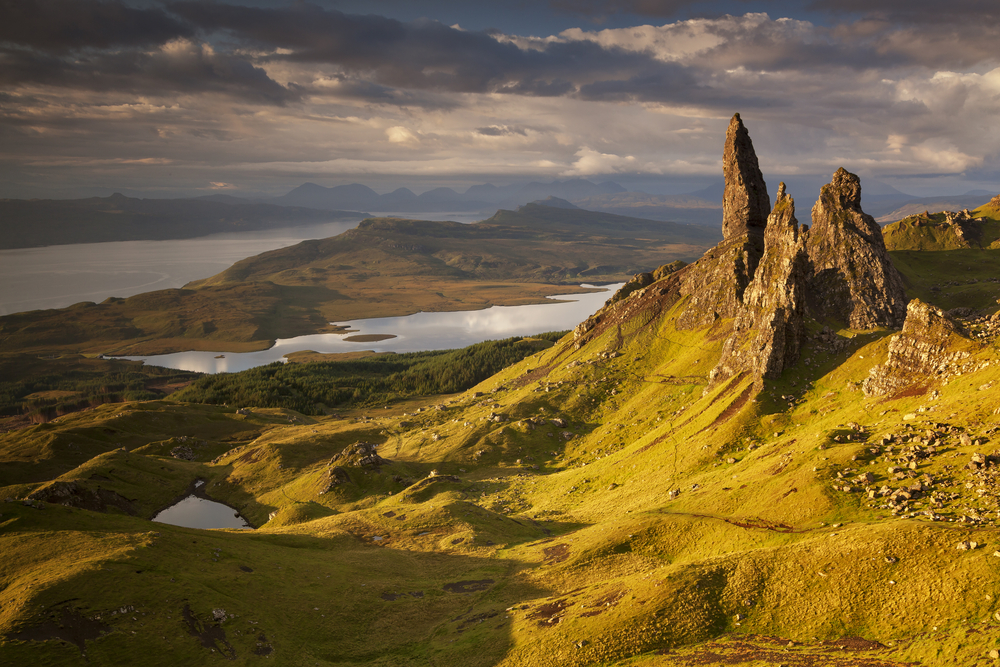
point(44, 390)
point(311, 387)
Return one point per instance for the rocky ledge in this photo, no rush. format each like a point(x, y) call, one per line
point(919, 353)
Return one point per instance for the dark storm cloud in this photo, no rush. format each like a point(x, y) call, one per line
point(184, 67)
point(59, 26)
point(915, 11)
point(386, 61)
point(600, 8)
point(423, 54)
point(667, 83)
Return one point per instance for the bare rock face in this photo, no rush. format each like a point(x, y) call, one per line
point(715, 283)
point(767, 275)
point(716, 287)
point(74, 494)
point(637, 282)
point(745, 204)
point(770, 329)
point(919, 353)
point(853, 279)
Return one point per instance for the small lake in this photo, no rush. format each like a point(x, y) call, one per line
point(412, 333)
point(195, 512)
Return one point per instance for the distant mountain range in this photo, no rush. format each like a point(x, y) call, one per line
point(703, 207)
point(38, 222)
point(478, 198)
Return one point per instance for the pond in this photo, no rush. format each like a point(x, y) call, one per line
point(195, 512)
point(412, 333)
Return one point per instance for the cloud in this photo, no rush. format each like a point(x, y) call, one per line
point(216, 92)
point(420, 55)
point(400, 135)
point(500, 131)
point(179, 66)
point(915, 11)
point(590, 162)
point(59, 26)
point(600, 9)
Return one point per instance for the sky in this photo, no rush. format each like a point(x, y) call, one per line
point(254, 97)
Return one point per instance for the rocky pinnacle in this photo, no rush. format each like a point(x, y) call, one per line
point(770, 328)
point(745, 204)
point(853, 278)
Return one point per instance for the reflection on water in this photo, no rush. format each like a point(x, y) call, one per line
point(59, 276)
point(195, 512)
point(414, 333)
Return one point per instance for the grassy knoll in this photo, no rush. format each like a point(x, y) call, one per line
point(587, 505)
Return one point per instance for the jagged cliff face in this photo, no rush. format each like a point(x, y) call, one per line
point(770, 329)
point(853, 279)
point(919, 353)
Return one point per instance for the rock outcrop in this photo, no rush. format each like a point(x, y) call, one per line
point(768, 274)
point(359, 455)
point(853, 278)
point(769, 331)
point(716, 288)
point(75, 494)
point(745, 203)
point(919, 353)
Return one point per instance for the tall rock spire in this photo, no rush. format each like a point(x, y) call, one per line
point(715, 288)
point(770, 328)
point(853, 278)
point(745, 204)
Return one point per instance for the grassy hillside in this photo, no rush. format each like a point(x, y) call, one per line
point(578, 221)
point(932, 231)
point(589, 505)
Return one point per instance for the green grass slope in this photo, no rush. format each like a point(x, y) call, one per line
point(591, 504)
